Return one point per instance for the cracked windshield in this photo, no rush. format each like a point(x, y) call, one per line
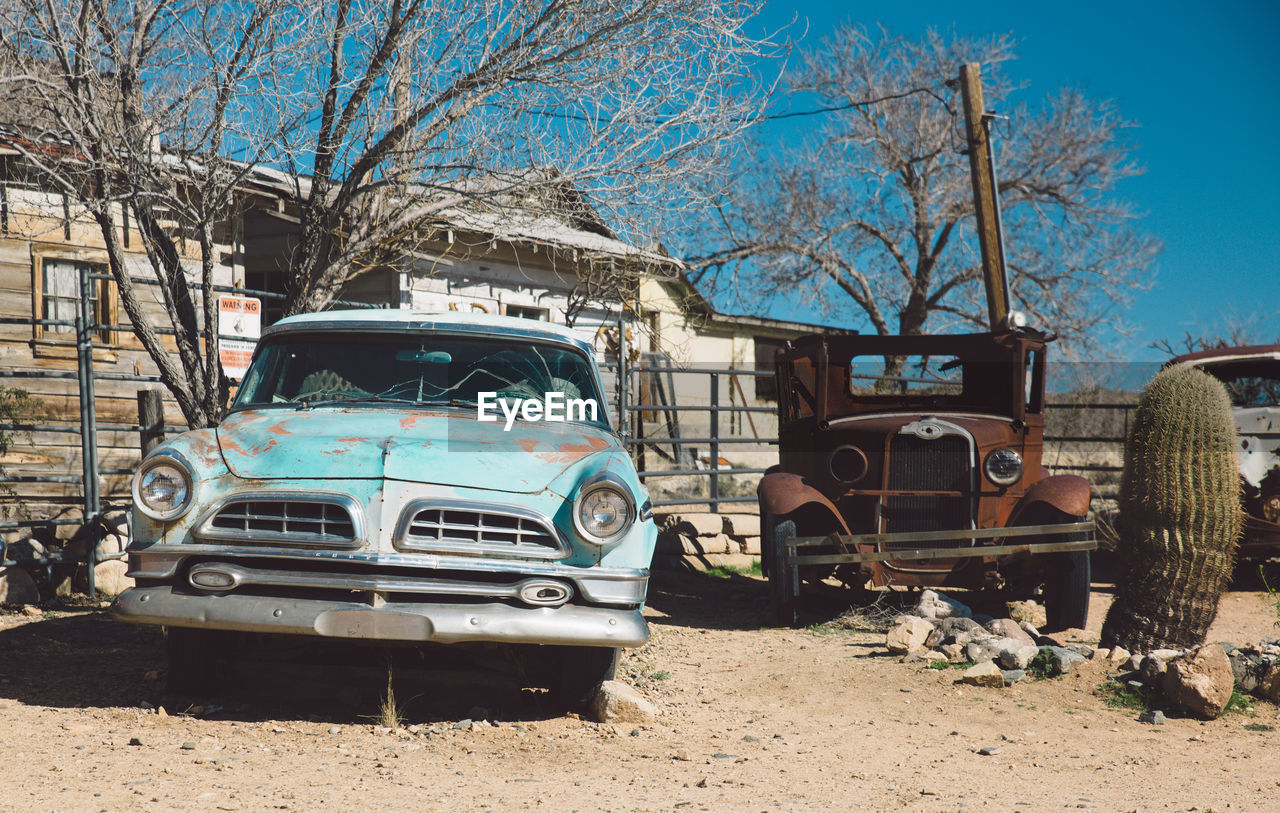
point(321, 370)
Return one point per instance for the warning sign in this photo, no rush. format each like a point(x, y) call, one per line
point(239, 326)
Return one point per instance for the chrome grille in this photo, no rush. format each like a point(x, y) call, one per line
point(449, 529)
point(936, 464)
point(309, 523)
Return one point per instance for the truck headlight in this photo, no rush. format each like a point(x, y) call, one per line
point(1003, 467)
point(162, 487)
point(602, 512)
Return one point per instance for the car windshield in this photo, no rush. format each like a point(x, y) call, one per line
point(1249, 383)
point(311, 369)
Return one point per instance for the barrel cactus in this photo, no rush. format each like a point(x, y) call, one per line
point(1179, 512)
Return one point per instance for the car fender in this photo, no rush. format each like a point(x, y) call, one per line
point(1064, 493)
point(782, 493)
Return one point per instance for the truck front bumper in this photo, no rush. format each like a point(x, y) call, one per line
point(393, 621)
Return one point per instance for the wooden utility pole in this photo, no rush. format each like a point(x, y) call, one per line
point(986, 199)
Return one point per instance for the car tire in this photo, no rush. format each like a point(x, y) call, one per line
point(766, 542)
point(783, 583)
point(582, 669)
point(1066, 591)
point(193, 660)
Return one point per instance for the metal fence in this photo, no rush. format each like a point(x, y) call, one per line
point(1083, 436)
point(92, 498)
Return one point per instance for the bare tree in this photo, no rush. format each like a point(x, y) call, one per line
point(384, 119)
point(94, 87)
point(875, 209)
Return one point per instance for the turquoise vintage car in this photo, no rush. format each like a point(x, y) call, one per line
point(400, 476)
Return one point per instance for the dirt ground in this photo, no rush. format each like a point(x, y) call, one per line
point(751, 719)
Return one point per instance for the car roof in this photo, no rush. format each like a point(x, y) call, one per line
point(1221, 354)
point(404, 319)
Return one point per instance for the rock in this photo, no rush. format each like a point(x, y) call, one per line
point(750, 545)
point(1248, 668)
point(957, 631)
point(938, 605)
point(1027, 611)
point(1017, 657)
point(908, 635)
point(989, 751)
point(1063, 660)
point(1100, 655)
point(1201, 681)
point(1007, 628)
point(1029, 629)
point(742, 524)
point(954, 652)
point(984, 674)
point(616, 702)
point(32, 611)
point(25, 549)
point(17, 587)
point(1153, 665)
point(1118, 655)
point(689, 544)
point(111, 545)
point(1269, 684)
point(1012, 676)
point(1135, 662)
point(697, 524)
point(923, 656)
point(110, 578)
point(980, 652)
point(462, 725)
point(1154, 717)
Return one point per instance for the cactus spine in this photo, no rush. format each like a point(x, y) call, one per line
point(1179, 514)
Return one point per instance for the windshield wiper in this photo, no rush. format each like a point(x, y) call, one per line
point(359, 399)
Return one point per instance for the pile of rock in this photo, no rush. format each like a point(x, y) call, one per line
point(703, 540)
point(1002, 650)
point(66, 546)
point(1005, 651)
point(1202, 679)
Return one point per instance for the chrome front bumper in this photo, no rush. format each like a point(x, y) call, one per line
point(398, 621)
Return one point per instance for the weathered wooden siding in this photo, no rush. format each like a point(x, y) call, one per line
point(38, 229)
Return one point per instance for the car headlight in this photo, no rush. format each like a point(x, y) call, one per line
point(602, 512)
point(1003, 467)
point(162, 487)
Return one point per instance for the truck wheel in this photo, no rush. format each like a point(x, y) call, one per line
point(193, 660)
point(582, 668)
point(1066, 592)
point(783, 580)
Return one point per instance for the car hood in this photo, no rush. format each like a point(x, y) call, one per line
point(446, 448)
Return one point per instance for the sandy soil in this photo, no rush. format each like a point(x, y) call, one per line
point(752, 719)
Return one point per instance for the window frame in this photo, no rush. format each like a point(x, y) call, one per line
point(106, 312)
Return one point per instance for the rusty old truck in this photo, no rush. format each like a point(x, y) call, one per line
point(916, 461)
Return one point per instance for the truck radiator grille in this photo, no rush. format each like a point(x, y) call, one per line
point(303, 523)
point(470, 531)
point(938, 464)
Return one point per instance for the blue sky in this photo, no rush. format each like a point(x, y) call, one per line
point(1200, 80)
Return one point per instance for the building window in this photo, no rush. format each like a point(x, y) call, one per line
point(527, 312)
point(58, 297)
point(766, 352)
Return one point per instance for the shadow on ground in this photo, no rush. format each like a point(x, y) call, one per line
point(78, 659)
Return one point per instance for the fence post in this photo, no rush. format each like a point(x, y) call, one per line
point(85, 324)
point(622, 372)
point(715, 443)
point(150, 419)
